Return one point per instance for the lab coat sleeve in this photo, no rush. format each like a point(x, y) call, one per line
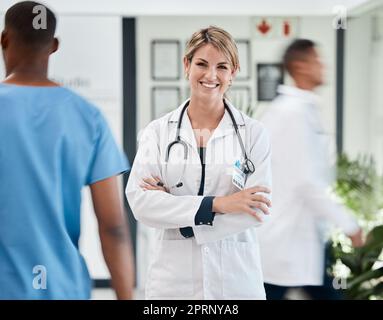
point(309, 161)
point(226, 225)
point(156, 209)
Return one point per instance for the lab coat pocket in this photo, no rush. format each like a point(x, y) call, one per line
point(241, 271)
point(170, 275)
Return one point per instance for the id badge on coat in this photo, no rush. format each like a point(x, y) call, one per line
point(239, 177)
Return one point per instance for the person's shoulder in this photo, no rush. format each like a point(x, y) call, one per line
point(80, 102)
point(162, 122)
point(284, 109)
point(151, 131)
point(158, 127)
point(287, 101)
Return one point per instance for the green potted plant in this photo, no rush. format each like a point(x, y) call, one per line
point(360, 188)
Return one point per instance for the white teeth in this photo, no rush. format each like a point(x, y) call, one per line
point(208, 85)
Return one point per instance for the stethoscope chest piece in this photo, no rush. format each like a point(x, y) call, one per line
point(248, 166)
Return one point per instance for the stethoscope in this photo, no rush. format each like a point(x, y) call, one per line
point(247, 165)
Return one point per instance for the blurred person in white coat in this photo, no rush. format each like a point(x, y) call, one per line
point(186, 182)
point(293, 241)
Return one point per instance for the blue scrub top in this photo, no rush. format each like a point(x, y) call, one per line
point(52, 143)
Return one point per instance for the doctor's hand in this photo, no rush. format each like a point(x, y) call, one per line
point(153, 183)
point(244, 202)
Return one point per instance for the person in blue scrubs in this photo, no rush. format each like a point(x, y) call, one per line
point(52, 144)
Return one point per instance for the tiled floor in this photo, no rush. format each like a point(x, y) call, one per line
point(108, 294)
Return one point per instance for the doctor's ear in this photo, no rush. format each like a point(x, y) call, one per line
point(234, 73)
point(186, 67)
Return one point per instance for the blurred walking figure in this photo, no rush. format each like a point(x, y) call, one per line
point(53, 143)
point(293, 242)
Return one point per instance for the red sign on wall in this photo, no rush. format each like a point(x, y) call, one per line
point(275, 27)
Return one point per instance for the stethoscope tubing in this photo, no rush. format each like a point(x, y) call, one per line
point(249, 166)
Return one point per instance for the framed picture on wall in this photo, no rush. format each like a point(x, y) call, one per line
point(164, 100)
point(269, 77)
point(165, 59)
point(244, 59)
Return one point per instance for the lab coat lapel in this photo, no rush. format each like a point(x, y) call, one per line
point(226, 127)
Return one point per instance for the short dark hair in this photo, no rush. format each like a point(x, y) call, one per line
point(297, 50)
point(20, 19)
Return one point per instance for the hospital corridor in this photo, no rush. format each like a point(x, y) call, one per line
point(191, 150)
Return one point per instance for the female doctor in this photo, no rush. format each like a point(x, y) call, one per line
point(201, 177)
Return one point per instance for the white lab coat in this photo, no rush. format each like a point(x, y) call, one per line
point(221, 261)
point(292, 242)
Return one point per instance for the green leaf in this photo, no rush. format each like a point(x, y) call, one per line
point(368, 262)
point(374, 239)
point(350, 261)
point(377, 290)
point(372, 274)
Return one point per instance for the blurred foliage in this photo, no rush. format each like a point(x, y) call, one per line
point(241, 102)
point(360, 188)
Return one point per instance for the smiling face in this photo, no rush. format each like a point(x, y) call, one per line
point(209, 73)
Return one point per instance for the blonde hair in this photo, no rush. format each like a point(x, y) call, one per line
point(220, 39)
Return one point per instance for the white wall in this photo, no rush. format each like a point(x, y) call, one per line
point(195, 7)
point(363, 114)
point(376, 129)
point(357, 84)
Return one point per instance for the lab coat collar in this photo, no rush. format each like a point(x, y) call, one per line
point(186, 132)
point(224, 127)
point(306, 95)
